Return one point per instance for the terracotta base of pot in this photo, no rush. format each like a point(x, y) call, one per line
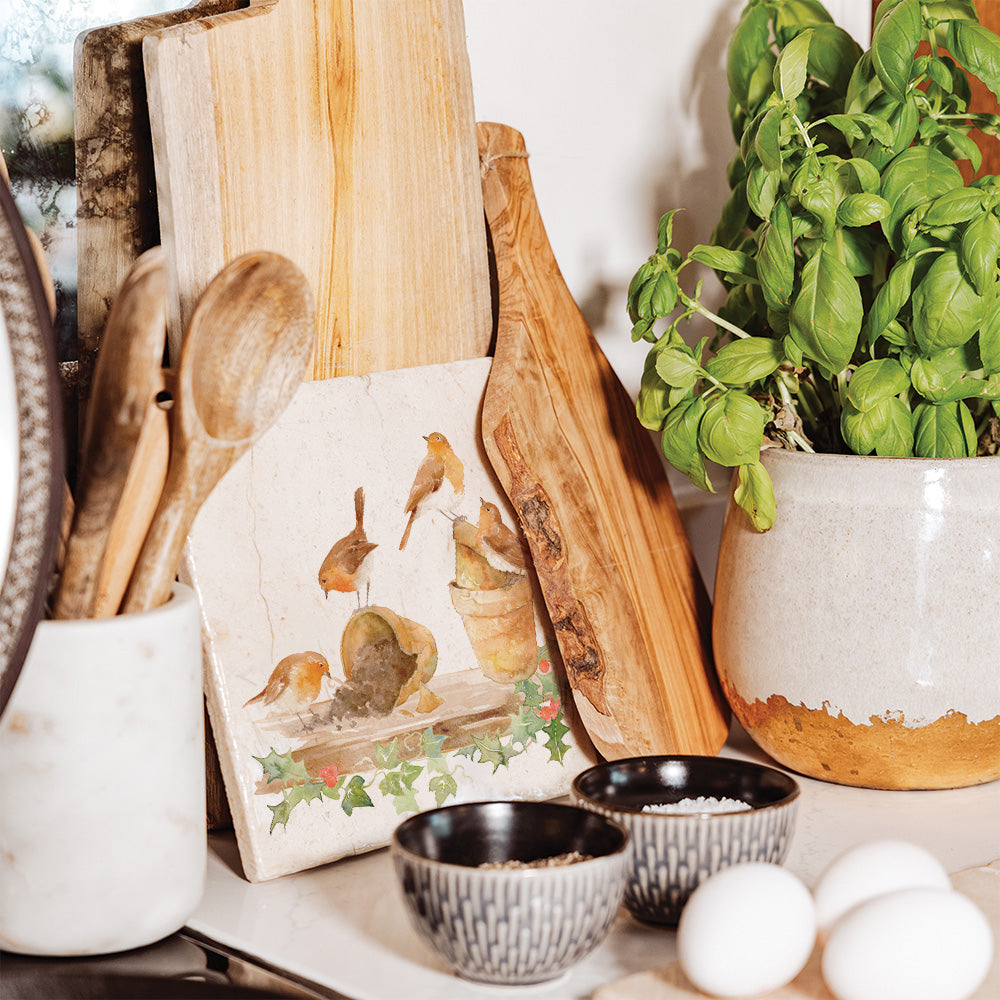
point(948, 753)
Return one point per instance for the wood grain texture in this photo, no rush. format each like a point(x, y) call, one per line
point(340, 135)
point(116, 191)
point(627, 603)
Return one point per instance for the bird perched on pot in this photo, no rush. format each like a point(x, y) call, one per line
point(439, 465)
point(501, 546)
point(294, 683)
point(347, 565)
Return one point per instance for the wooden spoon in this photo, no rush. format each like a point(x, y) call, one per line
point(244, 354)
point(125, 380)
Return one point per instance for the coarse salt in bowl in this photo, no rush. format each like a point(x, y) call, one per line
point(689, 817)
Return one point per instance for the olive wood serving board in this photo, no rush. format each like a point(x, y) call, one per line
point(628, 606)
point(342, 136)
point(116, 190)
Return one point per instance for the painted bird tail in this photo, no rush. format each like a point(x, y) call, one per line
point(406, 531)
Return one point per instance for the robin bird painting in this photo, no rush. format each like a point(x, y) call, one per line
point(501, 546)
point(439, 465)
point(294, 683)
point(347, 565)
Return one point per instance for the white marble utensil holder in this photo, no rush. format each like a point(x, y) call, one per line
point(103, 841)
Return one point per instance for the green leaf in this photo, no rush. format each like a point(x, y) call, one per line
point(387, 755)
point(894, 43)
point(827, 313)
point(861, 210)
point(290, 798)
point(492, 751)
point(679, 441)
point(745, 360)
point(762, 190)
point(732, 429)
point(767, 142)
point(355, 795)
point(875, 381)
point(958, 205)
point(754, 494)
point(776, 261)
point(652, 403)
point(947, 310)
point(444, 787)
point(750, 39)
point(885, 429)
point(282, 767)
point(891, 297)
point(833, 54)
point(677, 367)
point(790, 69)
point(951, 10)
point(980, 250)
point(555, 742)
point(915, 177)
point(941, 431)
point(665, 231)
point(989, 338)
point(978, 50)
point(722, 259)
point(938, 381)
point(869, 179)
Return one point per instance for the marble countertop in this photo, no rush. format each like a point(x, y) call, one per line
point(343, 926)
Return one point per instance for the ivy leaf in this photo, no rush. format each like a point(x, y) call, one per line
point(754, 494)
point(894, 43)
point(443, 787)
point(827, 313)
point(387, 755)
point(355, 795)
point(282, 767)
point(732, 429)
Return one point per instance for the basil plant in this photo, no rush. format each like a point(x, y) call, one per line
point(862, 312)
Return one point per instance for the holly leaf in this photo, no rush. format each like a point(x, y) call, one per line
point(290, 798)
point(524, 727)
point(492, 751)
point(282, 767)
point(443, 786)
point(555, 744)
point(355, 795)
point(532, 693)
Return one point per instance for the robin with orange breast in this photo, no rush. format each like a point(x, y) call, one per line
point(347, 565)
point(501, 546)
point(294, 683)
point(439, 465)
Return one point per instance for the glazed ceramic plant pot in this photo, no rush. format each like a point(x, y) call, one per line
point(858, 640)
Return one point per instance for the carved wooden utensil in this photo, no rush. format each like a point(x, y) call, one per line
point(624, 594)
point(126, 379)
point(244, 354)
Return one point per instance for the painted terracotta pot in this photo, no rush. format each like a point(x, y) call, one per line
point(858, 640)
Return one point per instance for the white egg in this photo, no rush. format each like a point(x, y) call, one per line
point(872, 869)
point(913, 944)
point(746, 930)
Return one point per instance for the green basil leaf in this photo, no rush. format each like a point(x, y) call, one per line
point(776, 261)
point(896, 437)
point(942, 384)
point(663, 296)
point(665, 231)
point(958, 205)
point(723, 259)
point(915, 177)
point(891, 297)
point(792, 351)
point(733, 219)
point(859, 248)
point(746, 360)
point(652, 403)
point(989, 338)
point(826, 315)
point(940, 431)
point(861, 210)
point(980, 250)
point(677, 367)
point(894, 43)
point(767, 143)
point(790, 69)
point(864, 86)
point(885, 429)
point(750, 39)
point(940, 73)
point(978, 50)
point(732, 429)
point(795, 14)
point(833, 54)
point(947, 310)
point(956, 145)
point(754, 494)
point(869, 179)
point(951, 10)
point(762, 190)
point(875, 381)
point(679, 441)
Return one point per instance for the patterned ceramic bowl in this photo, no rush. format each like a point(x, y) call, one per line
point(492, 921)
point(689, 817)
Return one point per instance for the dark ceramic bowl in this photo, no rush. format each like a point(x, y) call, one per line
point(672, 852)
point(504, 925)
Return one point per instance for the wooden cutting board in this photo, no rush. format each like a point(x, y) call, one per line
point(116, 190)
point(342, 136)
point(627, 603)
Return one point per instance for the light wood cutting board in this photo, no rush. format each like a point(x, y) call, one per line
point(116, 190)
point(341, 135)
point(627, 603)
